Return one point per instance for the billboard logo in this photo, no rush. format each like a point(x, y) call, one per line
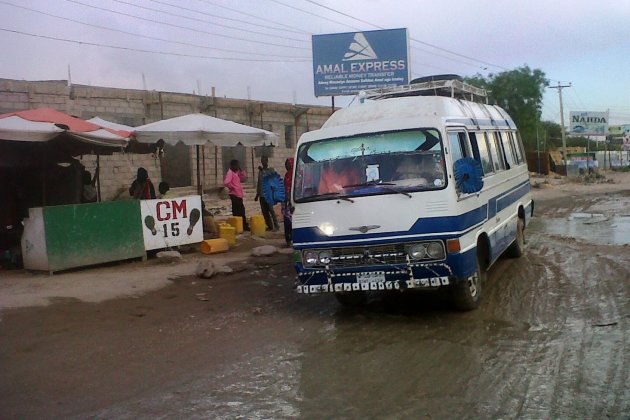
point(359, 49)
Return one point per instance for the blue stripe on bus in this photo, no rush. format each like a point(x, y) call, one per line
point(500, 202)
point(440, 226)
point(428, 225)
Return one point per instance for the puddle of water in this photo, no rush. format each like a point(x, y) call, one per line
point(595, 228)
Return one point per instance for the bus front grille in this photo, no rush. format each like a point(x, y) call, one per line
point(368, 255)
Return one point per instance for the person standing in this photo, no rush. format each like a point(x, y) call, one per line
point(89, 194)
point(266, 208)
point(142, 188)
point(232, 181)
point(165, 190)
point(287, 208)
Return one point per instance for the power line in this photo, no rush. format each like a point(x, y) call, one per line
point(413, 39)
point(96, 44)
point(346, 25)
point(252, 15)
point(187, 28)
point(314, 14)
point(206, 21)
point(227, 18)
point(148, 36)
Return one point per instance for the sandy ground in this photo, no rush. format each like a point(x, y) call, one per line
point(550, 339)
point(133, 278)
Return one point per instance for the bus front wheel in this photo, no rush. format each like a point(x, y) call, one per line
point(467, 293)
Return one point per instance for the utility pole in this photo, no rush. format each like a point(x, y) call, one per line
point(538, 147)
point(564, 136)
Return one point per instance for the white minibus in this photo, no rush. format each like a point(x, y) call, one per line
point(418, 187)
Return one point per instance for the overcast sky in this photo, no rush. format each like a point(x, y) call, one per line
point(262, 48)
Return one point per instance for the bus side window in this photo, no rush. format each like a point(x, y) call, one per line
point(497, 152)
point(503, 154)
point(518, 148)
point(459, 145)
point(508, 147)
point(474, 146)
point(483, 153)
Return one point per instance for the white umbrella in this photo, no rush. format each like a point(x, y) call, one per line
point(200, 129)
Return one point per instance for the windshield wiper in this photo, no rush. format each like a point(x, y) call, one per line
point(386, 186)
point(368, 184)
point(396, 190)
point(335, 193)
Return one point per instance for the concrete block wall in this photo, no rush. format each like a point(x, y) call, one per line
point(136, 107)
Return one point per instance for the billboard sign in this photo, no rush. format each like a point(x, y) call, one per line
point(346, 63)
point(171, 222)
point(589, 123)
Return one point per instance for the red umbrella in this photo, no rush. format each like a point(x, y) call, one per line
point(44, 124)
point(39, 137)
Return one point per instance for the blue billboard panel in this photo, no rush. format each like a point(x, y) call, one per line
point(344, 64)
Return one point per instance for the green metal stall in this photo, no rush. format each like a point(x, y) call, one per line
point(61, 237)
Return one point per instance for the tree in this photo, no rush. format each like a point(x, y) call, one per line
point(552, 133)
point(520, 93)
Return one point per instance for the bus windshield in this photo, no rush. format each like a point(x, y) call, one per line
point(369, 164)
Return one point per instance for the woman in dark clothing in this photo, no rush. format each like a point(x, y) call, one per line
point(142, 187)
point(287, 208)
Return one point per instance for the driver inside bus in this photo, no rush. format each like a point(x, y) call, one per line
point(415, 170)
point(337, 175)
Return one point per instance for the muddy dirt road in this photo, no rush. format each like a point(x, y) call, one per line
point(550, 340)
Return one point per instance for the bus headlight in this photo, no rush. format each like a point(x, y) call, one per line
point(418, 251)
point(324, 257)
point(435, 250)
point(327, 228)
point(310, 258)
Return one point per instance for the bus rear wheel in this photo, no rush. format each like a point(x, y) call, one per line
point(467, 293)
point(515, 250)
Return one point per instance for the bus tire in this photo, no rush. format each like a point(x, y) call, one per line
point(515, 250)
point(351, 298)
point(467, 293)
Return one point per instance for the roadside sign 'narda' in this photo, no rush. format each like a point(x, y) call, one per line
point(589, 123)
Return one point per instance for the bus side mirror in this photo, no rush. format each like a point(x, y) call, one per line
point(468, 175)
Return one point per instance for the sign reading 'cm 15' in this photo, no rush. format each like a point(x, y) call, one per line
point(169, 223)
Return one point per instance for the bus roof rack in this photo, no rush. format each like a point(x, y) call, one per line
point(453, 88)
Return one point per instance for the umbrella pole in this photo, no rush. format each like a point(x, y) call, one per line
point(203, 164)
point(216, 165)
point(253, 170)
point(43, 162)
point(98, 178)
point(199, 189)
